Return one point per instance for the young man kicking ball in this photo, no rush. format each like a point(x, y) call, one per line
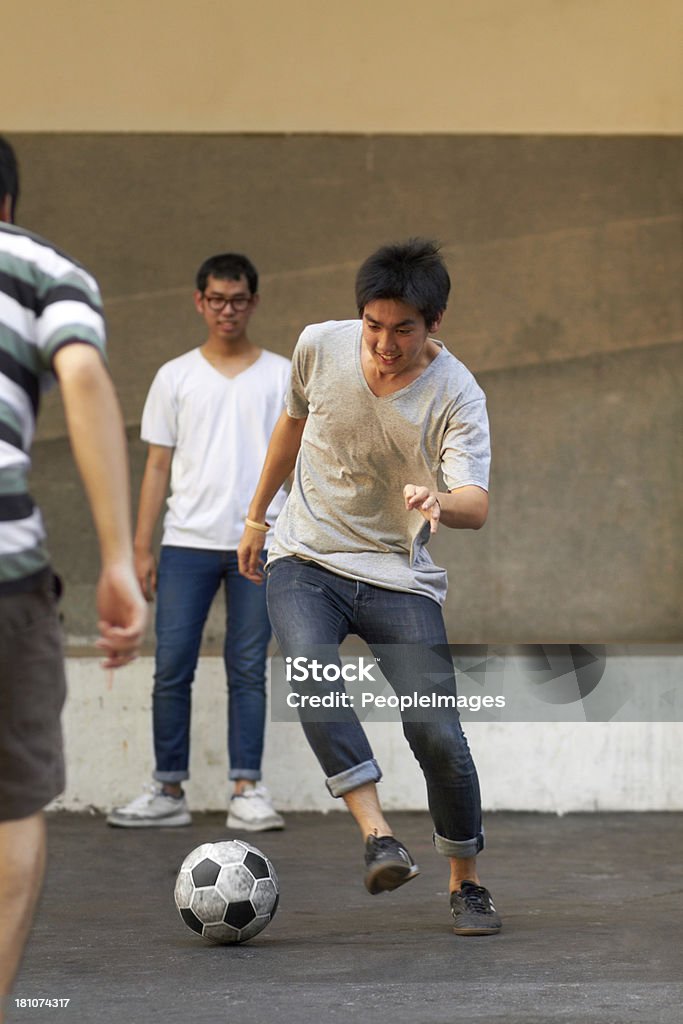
point(376, 408)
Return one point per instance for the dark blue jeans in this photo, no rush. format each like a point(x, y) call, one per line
point(188, 580)
point(313, 610)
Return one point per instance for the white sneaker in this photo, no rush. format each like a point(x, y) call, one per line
point(253, 811)
point(152, 809)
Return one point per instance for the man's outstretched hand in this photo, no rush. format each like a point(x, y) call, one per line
point(424, 501)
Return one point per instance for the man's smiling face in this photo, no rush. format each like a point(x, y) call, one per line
point(394, 336)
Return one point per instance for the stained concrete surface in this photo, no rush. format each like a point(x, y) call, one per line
point(593, 928)
point(566, 256)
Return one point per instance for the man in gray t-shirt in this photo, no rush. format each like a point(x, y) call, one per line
point(376, 409)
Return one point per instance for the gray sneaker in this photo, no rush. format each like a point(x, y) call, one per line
point(473, 911)
point(253, 811)
point(153, 809)
point(388, 864)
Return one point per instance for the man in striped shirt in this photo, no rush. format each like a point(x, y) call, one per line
point(51, 324)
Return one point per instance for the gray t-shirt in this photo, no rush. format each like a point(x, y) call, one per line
point(346, 510)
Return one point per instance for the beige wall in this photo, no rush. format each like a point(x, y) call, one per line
point(567, 261)
point(547, 66)
point(566, 255)
point(319, 131)
point(561, 765)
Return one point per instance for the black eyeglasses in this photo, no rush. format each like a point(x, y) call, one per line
point(217, 303)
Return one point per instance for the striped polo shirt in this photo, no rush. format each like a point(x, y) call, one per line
point(46, 301)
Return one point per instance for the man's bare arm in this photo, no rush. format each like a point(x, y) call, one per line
point(279, 463)
point(153, 493)
point(464, 508)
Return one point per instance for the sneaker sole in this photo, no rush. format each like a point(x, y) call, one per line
point(477, 931)
point(267, 825)
point(387, 877)
point(173, 821)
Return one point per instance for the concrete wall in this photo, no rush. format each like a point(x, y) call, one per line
point(566, 258)
point(555, 766)
point(539, 140)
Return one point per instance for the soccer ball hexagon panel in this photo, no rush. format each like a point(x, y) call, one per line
point(227, 891)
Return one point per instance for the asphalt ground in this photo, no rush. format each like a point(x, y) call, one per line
point(592, 906)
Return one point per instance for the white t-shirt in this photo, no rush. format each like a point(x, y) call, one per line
point(220, 429)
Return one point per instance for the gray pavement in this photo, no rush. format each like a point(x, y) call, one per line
point(593, 928)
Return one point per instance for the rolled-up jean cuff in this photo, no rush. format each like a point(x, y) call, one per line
point(180, 776)
point(251, 774)
point(459, 848)
point(352, 778)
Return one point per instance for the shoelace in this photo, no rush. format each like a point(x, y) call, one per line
point(382, 842)
point(476, 898)
point(253, 791)
point(150, 790)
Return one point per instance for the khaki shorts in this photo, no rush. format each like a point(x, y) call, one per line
point(32, 692)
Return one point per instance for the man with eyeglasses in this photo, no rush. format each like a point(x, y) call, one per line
point(208, 420)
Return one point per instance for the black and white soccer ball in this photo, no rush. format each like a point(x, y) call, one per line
point(227, 892)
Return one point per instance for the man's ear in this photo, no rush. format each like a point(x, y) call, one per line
point(6, 209)
point(433, 327)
